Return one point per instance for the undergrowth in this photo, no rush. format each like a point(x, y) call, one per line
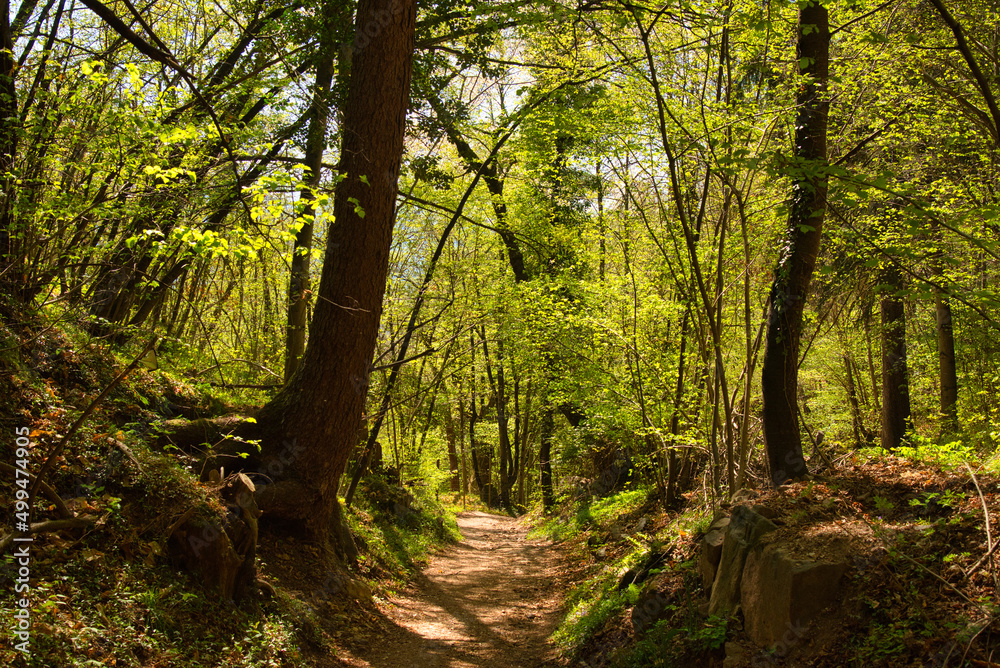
point(110, 595)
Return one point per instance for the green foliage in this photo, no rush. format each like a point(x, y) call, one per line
point(397, 530)
point(587, 613)
point(882, 504)
point(948, 455)
point(668, 646)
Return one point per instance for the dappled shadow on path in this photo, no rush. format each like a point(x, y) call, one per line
point(492, 600)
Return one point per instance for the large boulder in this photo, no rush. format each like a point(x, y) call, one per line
point(745, 531)
point(711, 551)
point(780, 594)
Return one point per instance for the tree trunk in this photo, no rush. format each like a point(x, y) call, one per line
point(946, 365)
point(316, 418)
point(8, 137)
point(852, 397)
point(779, 372)
point(672, 492)
point(895, 377)
point(500, 390)
point(546, 430)
point(449, 430)
point(299, 282)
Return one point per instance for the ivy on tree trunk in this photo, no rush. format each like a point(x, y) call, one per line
point(779, 372)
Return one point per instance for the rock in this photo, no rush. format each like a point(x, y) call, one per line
point(651, 606)
point(745, 529)
point(358, 590)
point(741, 496)
point(764, 511)
point(711, 552)
point(735, 655)
point(781, 595)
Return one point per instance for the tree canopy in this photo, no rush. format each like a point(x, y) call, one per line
point(597, 232)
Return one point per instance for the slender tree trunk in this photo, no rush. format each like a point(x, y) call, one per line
point(779, 371)
point(852, 397)
point(895, 377)
point(946, 364)
point(524, 446)
point(317, 416)
point(500, 390)
point(867, 316)
point(8, 138)
point(675, 418)
point(602, 226)
point(461, 440)
point(546, 430)
point(175, 311)
point(299, 282)
point(449, 431)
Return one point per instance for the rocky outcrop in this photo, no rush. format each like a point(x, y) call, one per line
point(780, 582)
point(745, 530)
point(711, 552)
point(780, 594)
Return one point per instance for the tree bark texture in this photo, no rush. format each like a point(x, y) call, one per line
point(316, 418)
point(8, 135)
point(895, 377)
point(779, 372)
point(948, 373)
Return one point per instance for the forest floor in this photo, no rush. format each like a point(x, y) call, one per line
point(492, 600)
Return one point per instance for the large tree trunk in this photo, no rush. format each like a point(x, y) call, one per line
point(779, 372)
point(315, 420)
point(895, 377)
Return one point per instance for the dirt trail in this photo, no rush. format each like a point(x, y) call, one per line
point(492, 600)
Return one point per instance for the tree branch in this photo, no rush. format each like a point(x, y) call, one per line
point(977, 74)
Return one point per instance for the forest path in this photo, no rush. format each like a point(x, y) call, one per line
point(492, 600)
